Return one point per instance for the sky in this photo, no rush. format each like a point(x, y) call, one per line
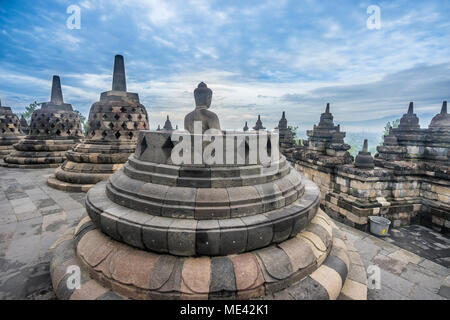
point(259, 57)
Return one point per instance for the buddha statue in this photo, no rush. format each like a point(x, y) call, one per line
point(203, 96)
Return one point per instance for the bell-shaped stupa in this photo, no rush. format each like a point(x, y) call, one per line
point(238, 222)
point(10, 130)
point(114, 123)
point(54, 129)
point(364, 159)
point(24, 126)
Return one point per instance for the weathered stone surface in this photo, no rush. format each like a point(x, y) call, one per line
point(54, 128)
point(114, 122)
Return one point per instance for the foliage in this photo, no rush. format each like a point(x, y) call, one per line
point(386, 128)
point(294, 134)
point(29, 111)
point(84, 122)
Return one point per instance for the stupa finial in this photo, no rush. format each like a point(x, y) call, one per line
point(119, 80)
point(327, 109)
point(365, 146)
point(443, 109)
point(56, 95)
point(411, 108)
point(168, 124)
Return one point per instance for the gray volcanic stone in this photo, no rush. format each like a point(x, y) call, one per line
point(233, 236)
point(119, 79)
point(308, 289)
point(162, 271)
point(276, 262)
point(208, 238)
point(155, 237)
point(181, 237)
point(223, 281)
point(175, 195)
point(338, 265)
point(282, 224)
point(259, 231)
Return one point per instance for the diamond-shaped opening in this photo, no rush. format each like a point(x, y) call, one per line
point(111, 125)
point(104, 134)
point(58, 132)
point(130, 117)
point(140, 117)
point(105, 116)
point(133, 110)
point(124, 126)
point(117, 116)
point(3, 130)
point(117, 134)
point(143, 146)
point(123, 109)
point(130, 135)
point(68, 132)
point(135, 125)
point(168, 144)
point(93, 133)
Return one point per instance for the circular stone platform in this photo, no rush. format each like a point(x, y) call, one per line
point(114, 123)
point(54, 129)
point(241, 230)
point(10, 131)
point(319, 263)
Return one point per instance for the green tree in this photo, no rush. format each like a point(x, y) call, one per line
point(395, 124)
point(84, 122)
point(294, 133)
point(29, 111)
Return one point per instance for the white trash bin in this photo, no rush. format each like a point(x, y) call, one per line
point(379, 226)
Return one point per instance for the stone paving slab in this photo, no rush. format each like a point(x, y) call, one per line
point(424, 242)
point(404, 275)
point(33, 216)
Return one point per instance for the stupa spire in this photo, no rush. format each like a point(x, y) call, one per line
point(259, 125)
point(56, 95)
point(443, 110)
point(327, 109)
point(365, 146)
point(411, 108)
point(168, 124)
point(119, 80)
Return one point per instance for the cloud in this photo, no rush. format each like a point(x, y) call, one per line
point(259, 57)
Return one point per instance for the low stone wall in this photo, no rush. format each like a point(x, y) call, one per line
point(351, 195)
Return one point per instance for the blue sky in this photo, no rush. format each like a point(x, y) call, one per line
point(259, 57)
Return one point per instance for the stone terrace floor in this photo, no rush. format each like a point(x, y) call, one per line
point(33, 216)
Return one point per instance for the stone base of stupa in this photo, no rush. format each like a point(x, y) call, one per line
point(30, 154)
point(88, 164)
point(6, 144)
point(318, 263)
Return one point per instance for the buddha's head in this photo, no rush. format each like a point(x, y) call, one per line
point(202, 95)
